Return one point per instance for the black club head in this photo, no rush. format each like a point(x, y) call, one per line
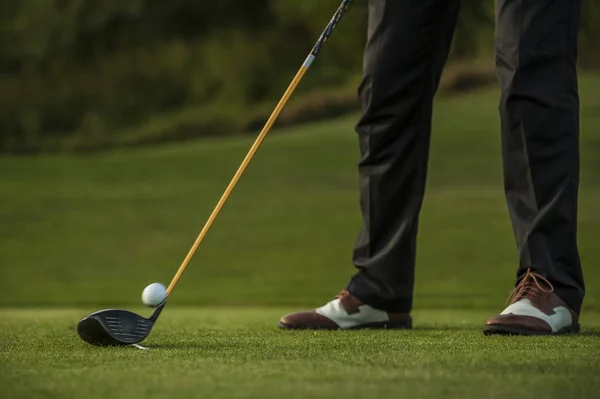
point(114, 327)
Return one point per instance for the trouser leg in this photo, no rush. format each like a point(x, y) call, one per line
point(408, 43)
point(536, 47)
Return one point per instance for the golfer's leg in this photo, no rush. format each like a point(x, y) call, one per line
point(536, 46)
point(408, 43)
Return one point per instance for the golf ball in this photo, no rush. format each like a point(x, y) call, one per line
point(154, 294)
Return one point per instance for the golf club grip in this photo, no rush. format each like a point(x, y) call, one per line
point(269, 124)
point(331, 26)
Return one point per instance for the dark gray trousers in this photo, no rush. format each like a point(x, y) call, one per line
point(536, 53)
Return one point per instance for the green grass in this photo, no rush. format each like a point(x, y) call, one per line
point(232, 353)
point(95, 229)
point(90, 231)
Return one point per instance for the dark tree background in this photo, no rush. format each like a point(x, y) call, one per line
point(90, 73)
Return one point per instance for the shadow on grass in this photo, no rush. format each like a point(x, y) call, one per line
point(211, 345)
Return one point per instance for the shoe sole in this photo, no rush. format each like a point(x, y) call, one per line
point(386, 325)
point(506, 330)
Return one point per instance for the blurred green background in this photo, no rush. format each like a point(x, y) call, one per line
point(86, 74)
point(82, 227)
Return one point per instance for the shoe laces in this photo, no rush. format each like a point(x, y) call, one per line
point(532, 286)
point(342, 294)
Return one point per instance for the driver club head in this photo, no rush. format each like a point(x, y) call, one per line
point(115, 327)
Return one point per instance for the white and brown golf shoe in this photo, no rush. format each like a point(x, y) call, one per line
point(345, 312)
point(534, 309)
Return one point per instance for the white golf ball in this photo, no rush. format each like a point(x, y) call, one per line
point(154, 294)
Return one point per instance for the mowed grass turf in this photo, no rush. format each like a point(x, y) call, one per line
point(83, 232)
point(233, 353)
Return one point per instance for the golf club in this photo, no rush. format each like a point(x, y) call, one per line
point(114, 327)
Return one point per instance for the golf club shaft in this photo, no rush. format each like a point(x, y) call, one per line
point(271, 121)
